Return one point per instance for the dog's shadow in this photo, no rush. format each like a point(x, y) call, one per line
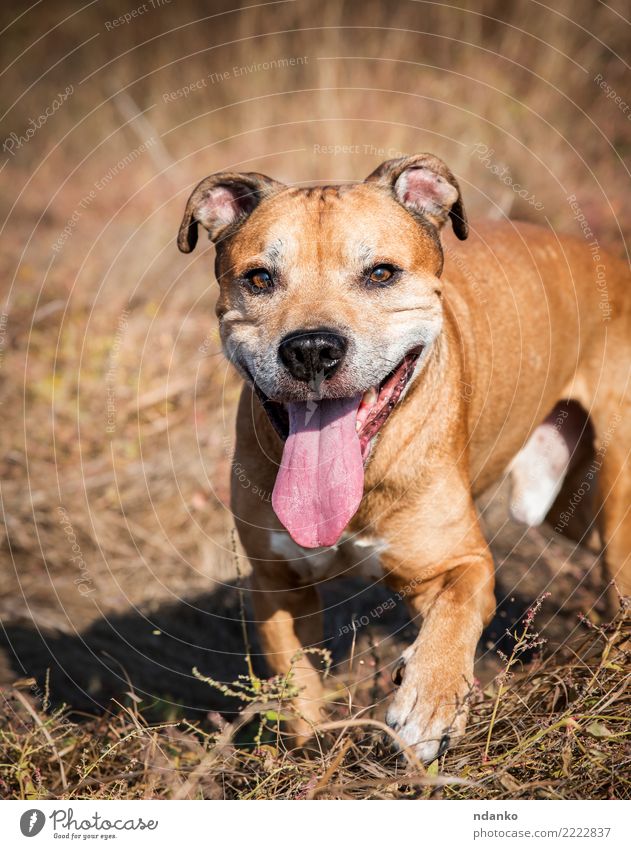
point(153, 655)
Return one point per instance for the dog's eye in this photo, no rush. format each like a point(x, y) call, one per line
point(259, 280)
point(381, 274)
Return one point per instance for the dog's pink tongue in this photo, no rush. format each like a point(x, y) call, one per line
point(321, 478)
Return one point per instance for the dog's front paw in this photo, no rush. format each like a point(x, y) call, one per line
point(429, 711)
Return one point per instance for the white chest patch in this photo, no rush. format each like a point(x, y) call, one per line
point(351, 556)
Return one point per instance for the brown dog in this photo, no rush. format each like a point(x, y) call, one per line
point(389, 380)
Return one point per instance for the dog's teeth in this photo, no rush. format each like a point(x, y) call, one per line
point(370, 396)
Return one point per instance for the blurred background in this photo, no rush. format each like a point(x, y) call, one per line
point(117, 562)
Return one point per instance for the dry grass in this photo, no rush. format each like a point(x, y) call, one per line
point(562, 732)
point(116, 329)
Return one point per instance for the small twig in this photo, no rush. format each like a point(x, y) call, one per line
point(376, 723)
point(330, 771)
point(244, 627)
point(525, 640)
point(223, 741)
point(45, 732)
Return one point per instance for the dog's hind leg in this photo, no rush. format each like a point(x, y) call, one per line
point(609, 377)
point(613, 462)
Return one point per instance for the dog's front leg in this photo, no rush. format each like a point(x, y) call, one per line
point(288, 615)
point(435, 675)
point(289, 621)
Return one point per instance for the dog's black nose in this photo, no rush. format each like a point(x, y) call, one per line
point(312, 355)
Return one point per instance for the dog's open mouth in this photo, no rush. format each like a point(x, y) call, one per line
point(375, 406)
point(378, 402)
point(320, 482)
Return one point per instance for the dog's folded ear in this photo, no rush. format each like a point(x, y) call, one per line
point(222, 202)
point(425, 186)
